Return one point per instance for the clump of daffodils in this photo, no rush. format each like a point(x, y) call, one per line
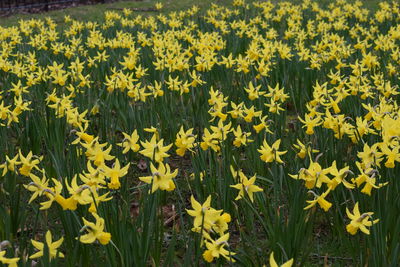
point(212, 224)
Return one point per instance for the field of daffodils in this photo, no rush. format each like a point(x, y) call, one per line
point(255, 134)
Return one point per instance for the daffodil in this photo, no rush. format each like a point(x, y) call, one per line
point(237, 110)
point(392, 155)
point(95, 231)
point(115, 173)
point(241, 138)
point(159, 5)
point(210, 140)
point(37, 186)
point(155, 150)
point(253, 92)
point(204, 215)
point(81, 194)
point(359, 221)
point(10, 164)
point(370, 156)
point(303, 150)
point(322, 202)
point(52, 247)
point(82, 135)
point(271, 153)
point(28, 163)
point(184, 141)
point(222, 130)
point(246, 186)
point(250, 113)
point(94, 177)
point(11, 262)
point(263, 125)
point(367, 177)
point(216, 248)
point(130, 142)
point(339, 176)
point(277, 94)
point(96, 153)
point(273, 263)
point(161, 177)
point(310, 123)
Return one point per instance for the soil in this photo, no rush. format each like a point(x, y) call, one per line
point(44, 6)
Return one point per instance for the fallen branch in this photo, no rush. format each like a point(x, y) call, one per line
point(144, 9)
point(315, 255)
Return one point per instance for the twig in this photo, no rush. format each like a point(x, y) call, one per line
point(315, 255)
point(147, 9)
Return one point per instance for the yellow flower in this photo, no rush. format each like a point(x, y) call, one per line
point(53, 194)
point(95, 152)
point(262, 125)
point(221, 131)
point(250, 113)
point(392, 155)
point(28, 163)
point(12, 262)
point(155, 150)
point(253, 92)
point(303, 150)
point(273, 263)
point(95, 231)
point(271, 153)
point(310, 123)
point(339, 176)
point(216, 248)
point(79, 193)
point(115, 173)
point(204, 215)
point(159, 5)
point(221, 223)
point(274, 107)
point(237, 110)
point(160, 178)
point(66, 203)
point(82, 135)
point(314, 175)
point(51, 246)
point(95, 109)
point(241, 138)
point(37, 186)
point(210, 140)
point(322, 202)
point(246, 186)
point(277, 93)
point(366, 176)
point(359, 221)
point(370, 156)
point(185, 141)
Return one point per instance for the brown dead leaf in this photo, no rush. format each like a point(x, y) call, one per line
point(134, 210)
point(142, 165)
point(170, 216)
